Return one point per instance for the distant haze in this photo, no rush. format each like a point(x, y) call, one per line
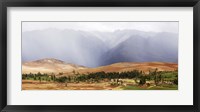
point(94, 44)
point(103, 26)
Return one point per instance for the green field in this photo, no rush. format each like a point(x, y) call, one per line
point(163, 87)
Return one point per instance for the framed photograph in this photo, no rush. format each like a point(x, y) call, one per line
point(84, 55)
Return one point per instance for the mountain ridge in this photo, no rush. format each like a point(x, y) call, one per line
point(49, 65)
point(46, 66)
point(95, 49)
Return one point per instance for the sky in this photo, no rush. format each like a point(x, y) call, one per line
point(103, 26)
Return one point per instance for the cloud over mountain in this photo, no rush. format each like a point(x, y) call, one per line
point(93, 48)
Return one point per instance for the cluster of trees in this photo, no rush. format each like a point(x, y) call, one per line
point(170, 77)
point(140, 77)
point(39, 76)
point(109, 75)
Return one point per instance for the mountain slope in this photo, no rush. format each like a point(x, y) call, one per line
point(162, 47)
point(93, 49)
point(68, 45)
point(56, 66)
point(49, 65)
point(129, 66)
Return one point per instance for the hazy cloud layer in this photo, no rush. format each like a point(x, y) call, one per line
point(100, 43)
point(103, 26)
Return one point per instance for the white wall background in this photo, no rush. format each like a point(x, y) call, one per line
point(182, 96)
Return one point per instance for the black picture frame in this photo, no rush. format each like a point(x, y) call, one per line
point(99, 3)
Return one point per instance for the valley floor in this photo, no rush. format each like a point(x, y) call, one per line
point(129, 85)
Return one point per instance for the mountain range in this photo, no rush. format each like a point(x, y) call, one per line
point(94, 49)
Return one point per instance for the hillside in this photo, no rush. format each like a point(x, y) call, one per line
point(49, 65)
point(56, 66)
point(129, 66)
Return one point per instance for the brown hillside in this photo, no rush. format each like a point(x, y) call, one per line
point(56, 66)
point(49, 66)
point(128, 66)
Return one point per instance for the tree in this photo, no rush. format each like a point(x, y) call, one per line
point(157, 77)
point(39, 74)
point(40, 79)
point(34, 77)
point(142, 80)
point(176, 81)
